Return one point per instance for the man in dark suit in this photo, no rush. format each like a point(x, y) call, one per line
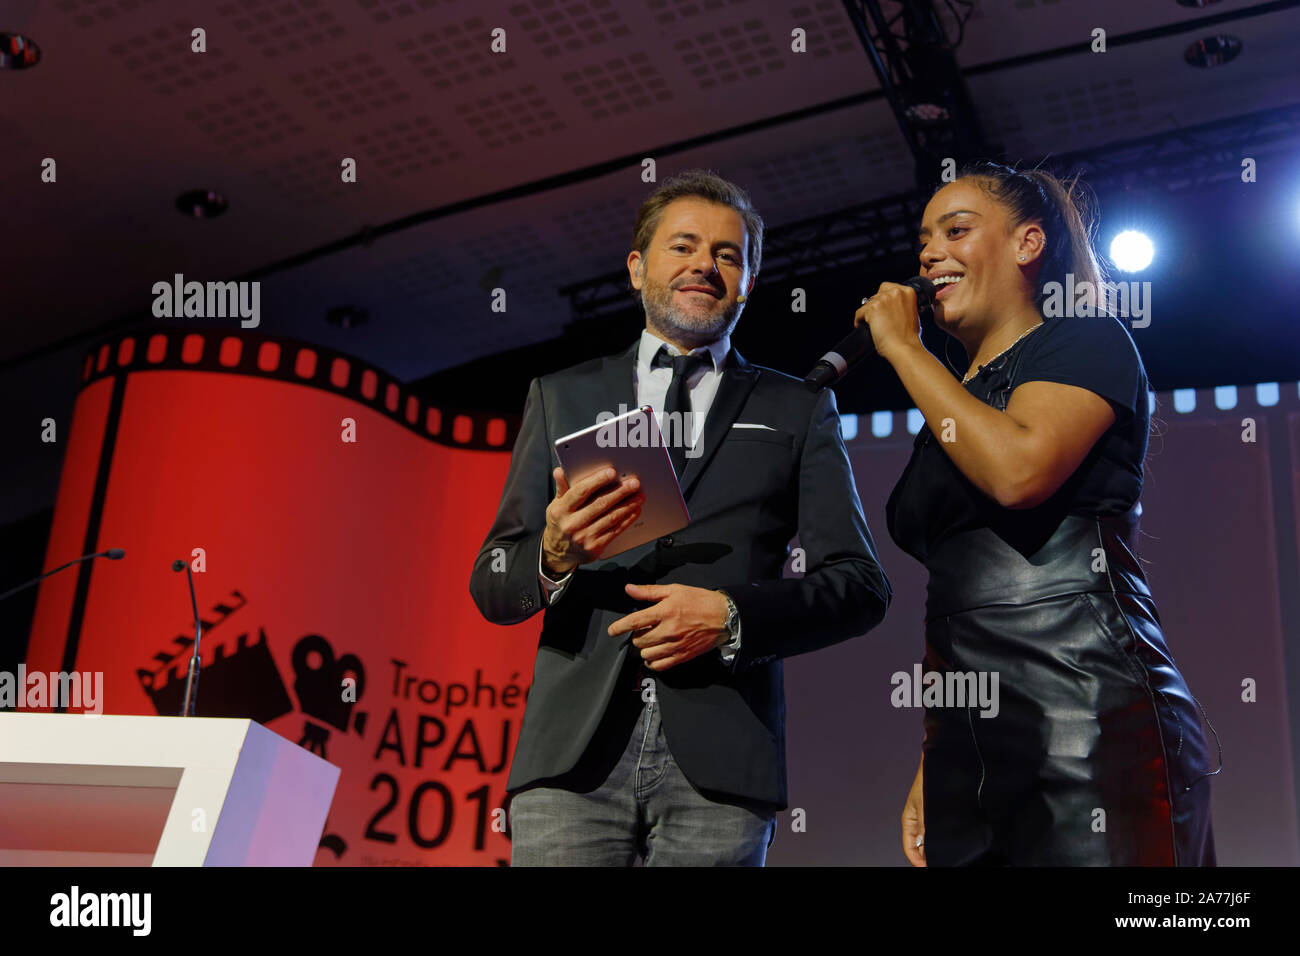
point(655, 723)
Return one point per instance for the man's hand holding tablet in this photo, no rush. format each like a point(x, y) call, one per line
point(582, 520)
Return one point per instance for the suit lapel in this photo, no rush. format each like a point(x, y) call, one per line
point(738, 378)
point(617, 386)
point(618, 379)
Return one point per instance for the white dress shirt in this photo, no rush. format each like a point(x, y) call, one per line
point(650, 387)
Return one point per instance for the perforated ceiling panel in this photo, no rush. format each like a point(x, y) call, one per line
point(313, 174)
point(560, 29)
point(408, 146)
point(163, 62)
point(827, 30)
point(387, 11)
point(455, 55)
point(687, 12)
point(518, 259)
point(414, 92)
point(798, 184)
point(732, 54)
point(277, 28)
point(511, 117)
point(423, 278)
point(618, 86)
point(248, 121)
point(357, 86)
point(100, 13)
point(598, 230)
point(1088, 109)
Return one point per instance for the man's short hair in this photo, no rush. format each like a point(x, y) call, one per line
point(700, 184)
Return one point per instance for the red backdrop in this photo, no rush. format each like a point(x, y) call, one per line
point(333, 549)
point(324, 562)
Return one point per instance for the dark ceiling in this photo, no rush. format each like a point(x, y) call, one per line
point(522, 169)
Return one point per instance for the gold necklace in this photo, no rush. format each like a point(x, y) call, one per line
point(1000, 354)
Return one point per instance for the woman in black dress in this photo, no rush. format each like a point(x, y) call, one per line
point(1021, 499)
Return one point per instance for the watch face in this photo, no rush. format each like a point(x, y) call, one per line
point(733, 615)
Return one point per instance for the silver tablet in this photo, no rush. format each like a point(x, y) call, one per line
point(632, 445)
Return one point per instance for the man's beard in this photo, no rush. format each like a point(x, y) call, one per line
point(689, 328)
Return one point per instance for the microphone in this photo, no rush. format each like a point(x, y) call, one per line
point(192, 678)
point(112, 554)
point(857, 345)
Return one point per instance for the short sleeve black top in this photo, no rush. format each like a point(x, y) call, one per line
point(934, 500)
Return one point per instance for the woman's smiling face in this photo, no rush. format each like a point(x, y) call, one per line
point(969, 250)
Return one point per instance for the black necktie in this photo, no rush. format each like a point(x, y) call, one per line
point(679, 402)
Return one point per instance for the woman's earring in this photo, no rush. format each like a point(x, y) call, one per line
point(1022, 258)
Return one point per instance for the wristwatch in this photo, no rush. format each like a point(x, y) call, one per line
point(733, 618)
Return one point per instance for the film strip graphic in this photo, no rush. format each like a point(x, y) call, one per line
point(244, 683)
point(242, 680)
point(1224, 401)
point(287, 360)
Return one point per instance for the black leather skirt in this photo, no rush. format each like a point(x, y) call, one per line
point(1095, 753)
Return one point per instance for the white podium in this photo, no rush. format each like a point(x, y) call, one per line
point(79, 790)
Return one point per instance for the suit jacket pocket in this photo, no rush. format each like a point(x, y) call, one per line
point(782, 438)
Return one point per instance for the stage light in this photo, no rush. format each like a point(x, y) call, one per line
point(202, 203)
point(927, 114)
point(1131, 251)
point(17, 52)
point(1212, 51)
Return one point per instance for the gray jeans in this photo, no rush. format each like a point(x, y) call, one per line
point(645, 807)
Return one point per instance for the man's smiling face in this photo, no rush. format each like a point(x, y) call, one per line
point(692, 272)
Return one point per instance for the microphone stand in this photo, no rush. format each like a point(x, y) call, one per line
point(192, 678)
point(113, 554)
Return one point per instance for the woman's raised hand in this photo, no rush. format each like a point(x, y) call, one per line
point(892, 317)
